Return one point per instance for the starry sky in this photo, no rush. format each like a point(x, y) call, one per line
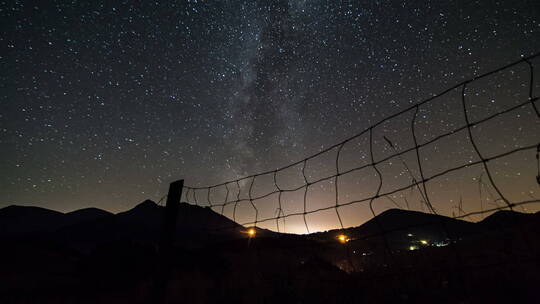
point(104, 103)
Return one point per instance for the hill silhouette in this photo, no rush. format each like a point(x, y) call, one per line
point(104, 257)
point(198, 226)
point(401, 227)
point(505, 218)
point(90, 226)
point(17, 221)
point(86, 214)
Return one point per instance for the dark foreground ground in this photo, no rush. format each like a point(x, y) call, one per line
point(498, 268)
point(114, 259)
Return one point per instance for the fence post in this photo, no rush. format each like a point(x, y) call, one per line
point(166, 241)
point(170, 216)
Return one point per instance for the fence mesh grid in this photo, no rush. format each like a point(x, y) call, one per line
point(233, 188)
point(464, 269)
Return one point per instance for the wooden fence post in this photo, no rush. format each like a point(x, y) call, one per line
point(170, 216)
point(166, 241)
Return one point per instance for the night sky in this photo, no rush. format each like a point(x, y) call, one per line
point(104, 103)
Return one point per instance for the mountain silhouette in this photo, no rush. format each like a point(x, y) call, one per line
point(96, 255)
point(26, 221)
point(17, 221)
point(399, 228)
point(88, 227)
point(198, 226)
point(407, 222)
point(87, 214)
point(505, 218)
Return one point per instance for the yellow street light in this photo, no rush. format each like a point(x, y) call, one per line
point(343, 238)
point(251, 232)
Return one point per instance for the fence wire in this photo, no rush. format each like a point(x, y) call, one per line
point(192, 194)
point(391, 265)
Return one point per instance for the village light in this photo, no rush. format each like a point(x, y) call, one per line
point(424, 242)
point(251, 232)
point(343, 238)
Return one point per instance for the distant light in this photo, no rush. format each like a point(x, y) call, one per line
point(251, 232)
point(413, 247)
point(409, 234)
point(424, 242)
point(343, 238)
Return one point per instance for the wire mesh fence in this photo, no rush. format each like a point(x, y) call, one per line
point(471, 123)
point(431, 166)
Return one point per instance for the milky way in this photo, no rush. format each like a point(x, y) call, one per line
point(104, 103)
